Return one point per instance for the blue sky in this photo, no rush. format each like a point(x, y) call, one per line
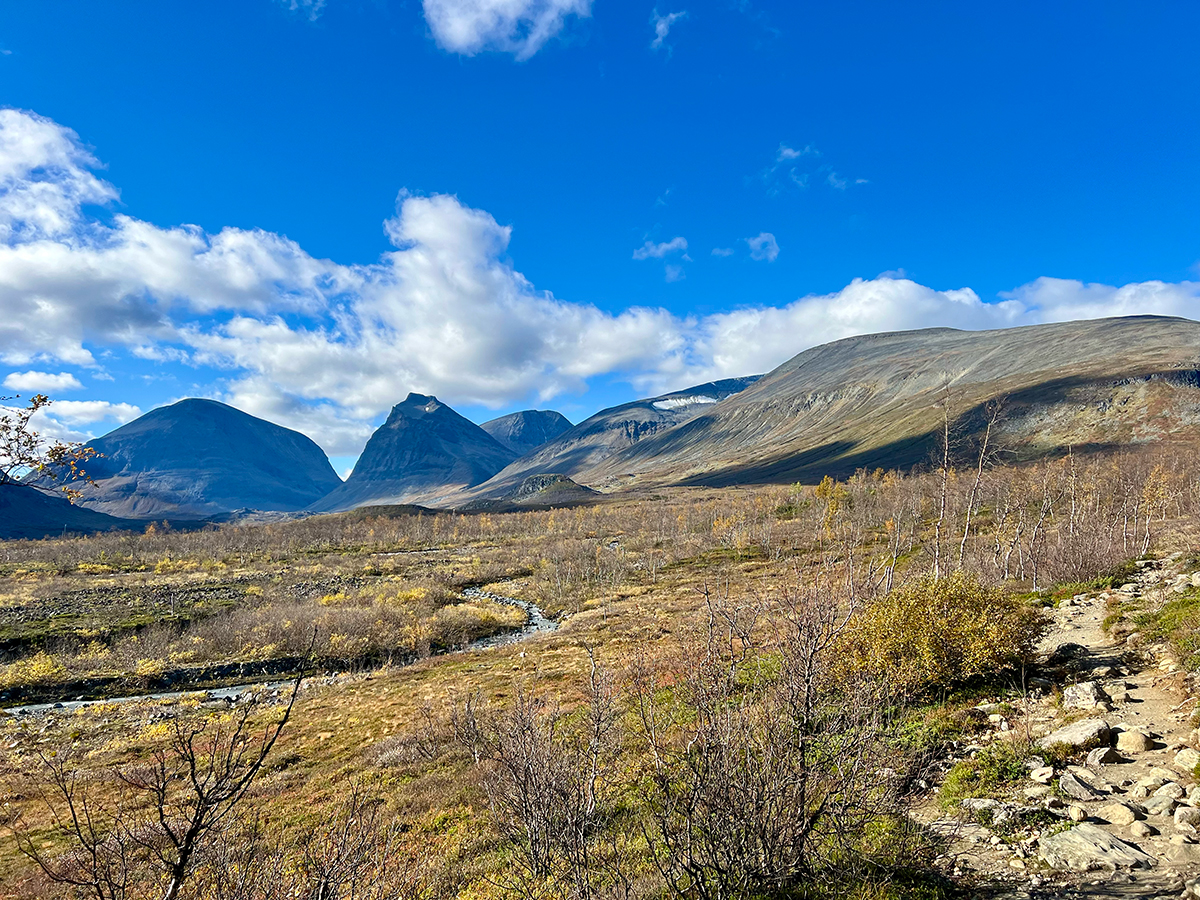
point(309, 209)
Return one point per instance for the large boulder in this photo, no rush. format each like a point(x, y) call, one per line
point(1086, 848)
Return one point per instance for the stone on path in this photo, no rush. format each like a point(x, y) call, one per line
point(1141, 829)
point(1075, 788)
point(1159, 806)
point(1187, 819)
point(1078, 735)
point(1119, 813)
point(1187, 759)
point(1085, 848)
point(1133, 742)
point(1102, 756)
point(1085, 695)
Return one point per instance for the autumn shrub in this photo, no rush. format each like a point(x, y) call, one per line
point(41, 668)
point(935, 634)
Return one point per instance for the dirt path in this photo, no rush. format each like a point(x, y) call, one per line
point(1135, 803)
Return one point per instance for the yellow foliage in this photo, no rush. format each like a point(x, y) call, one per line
point(41, 668)
point(935, 633)
point(150, 668)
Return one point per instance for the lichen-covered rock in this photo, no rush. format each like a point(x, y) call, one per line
point(1075, 788)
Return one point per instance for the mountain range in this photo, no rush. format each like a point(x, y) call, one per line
point(862, 402)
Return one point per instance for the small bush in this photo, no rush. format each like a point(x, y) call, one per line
point(940, 633)
point(41, 668)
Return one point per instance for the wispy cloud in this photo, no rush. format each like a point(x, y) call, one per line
point(662, 27)
point(763, 247)
point(789, 171)
point(519, 27)
point(310, 9)
point(651, 250)
point(722, 251)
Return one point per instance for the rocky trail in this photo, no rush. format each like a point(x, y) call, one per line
point(1124, 823)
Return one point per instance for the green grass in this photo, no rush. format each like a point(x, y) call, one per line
point(993, 769)
point(1178, 623)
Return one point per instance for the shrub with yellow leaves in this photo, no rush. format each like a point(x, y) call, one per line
point(938, 633)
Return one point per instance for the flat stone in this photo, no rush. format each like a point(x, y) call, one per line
point(1086, 733)
point(1073, 787)
point(1119, 813)
point(1086, 848)
point(1133, 742)
point(1085, 695)
point(1037, 792)
point(1042, 775)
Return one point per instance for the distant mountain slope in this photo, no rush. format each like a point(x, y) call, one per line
point(198, 458)
point(872, 401)
point(527, 430)
point(423, 451)
point(26, 512)
point(586, 446)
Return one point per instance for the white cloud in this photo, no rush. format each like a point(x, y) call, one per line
point(327, 348)
point(675, 273)
point(786, 153)
point(72, 420)
point(722, 251)
point(519, 27)
point(651, 250)
point(42, 382)
point(763, 247)
point(662, 27)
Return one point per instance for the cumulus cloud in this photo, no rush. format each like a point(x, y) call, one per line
point(42, 382)
point(763, 247)
point(662, 27)
point(327, 348)
point(651, 250)
point(519, 27)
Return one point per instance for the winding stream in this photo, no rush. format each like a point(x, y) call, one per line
point(535, 623)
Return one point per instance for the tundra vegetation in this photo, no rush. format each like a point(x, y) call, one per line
point(741, 700)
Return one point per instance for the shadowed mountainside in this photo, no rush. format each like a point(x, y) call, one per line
point(27, 512)
point(423, 451)
point(198, 458)
point(525, 431)
point(586, 446)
